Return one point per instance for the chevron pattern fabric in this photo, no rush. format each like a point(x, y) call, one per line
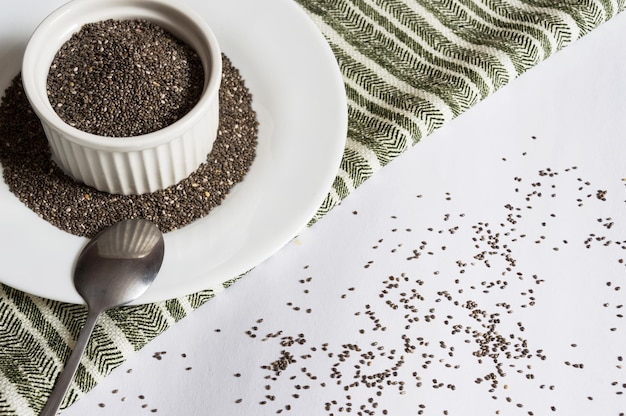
point(409, 66)
point(412, 65)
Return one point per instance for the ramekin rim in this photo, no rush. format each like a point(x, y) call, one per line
point(45, 111)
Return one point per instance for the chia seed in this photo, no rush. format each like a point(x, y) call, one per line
point(121, 78)
point(81, 210)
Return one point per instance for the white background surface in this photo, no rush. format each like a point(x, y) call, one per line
point(564, 299)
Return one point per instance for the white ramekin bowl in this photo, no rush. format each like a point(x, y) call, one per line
point(138, 164)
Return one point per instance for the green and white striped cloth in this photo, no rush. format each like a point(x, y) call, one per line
point(409, 67)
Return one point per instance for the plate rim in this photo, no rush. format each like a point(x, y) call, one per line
point(327, 64)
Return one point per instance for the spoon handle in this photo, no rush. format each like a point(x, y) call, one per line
point(63, 382)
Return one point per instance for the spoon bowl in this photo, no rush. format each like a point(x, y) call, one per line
point(119, 264)
point(113, 269)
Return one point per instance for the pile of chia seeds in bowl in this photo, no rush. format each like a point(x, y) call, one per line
point(89, 80)
point(81, 210)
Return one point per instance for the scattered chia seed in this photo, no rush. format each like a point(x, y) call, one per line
point(478, 324)
point(83, 211)
point(121, 78)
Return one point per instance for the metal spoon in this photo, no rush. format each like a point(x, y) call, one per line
point(114, 268)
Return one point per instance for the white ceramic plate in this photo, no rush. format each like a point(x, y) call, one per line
point(300, 100)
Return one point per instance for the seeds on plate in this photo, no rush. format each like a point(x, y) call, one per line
point(78, 209)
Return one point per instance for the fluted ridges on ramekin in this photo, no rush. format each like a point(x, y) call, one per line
point(155, 160)
point(137, 171)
